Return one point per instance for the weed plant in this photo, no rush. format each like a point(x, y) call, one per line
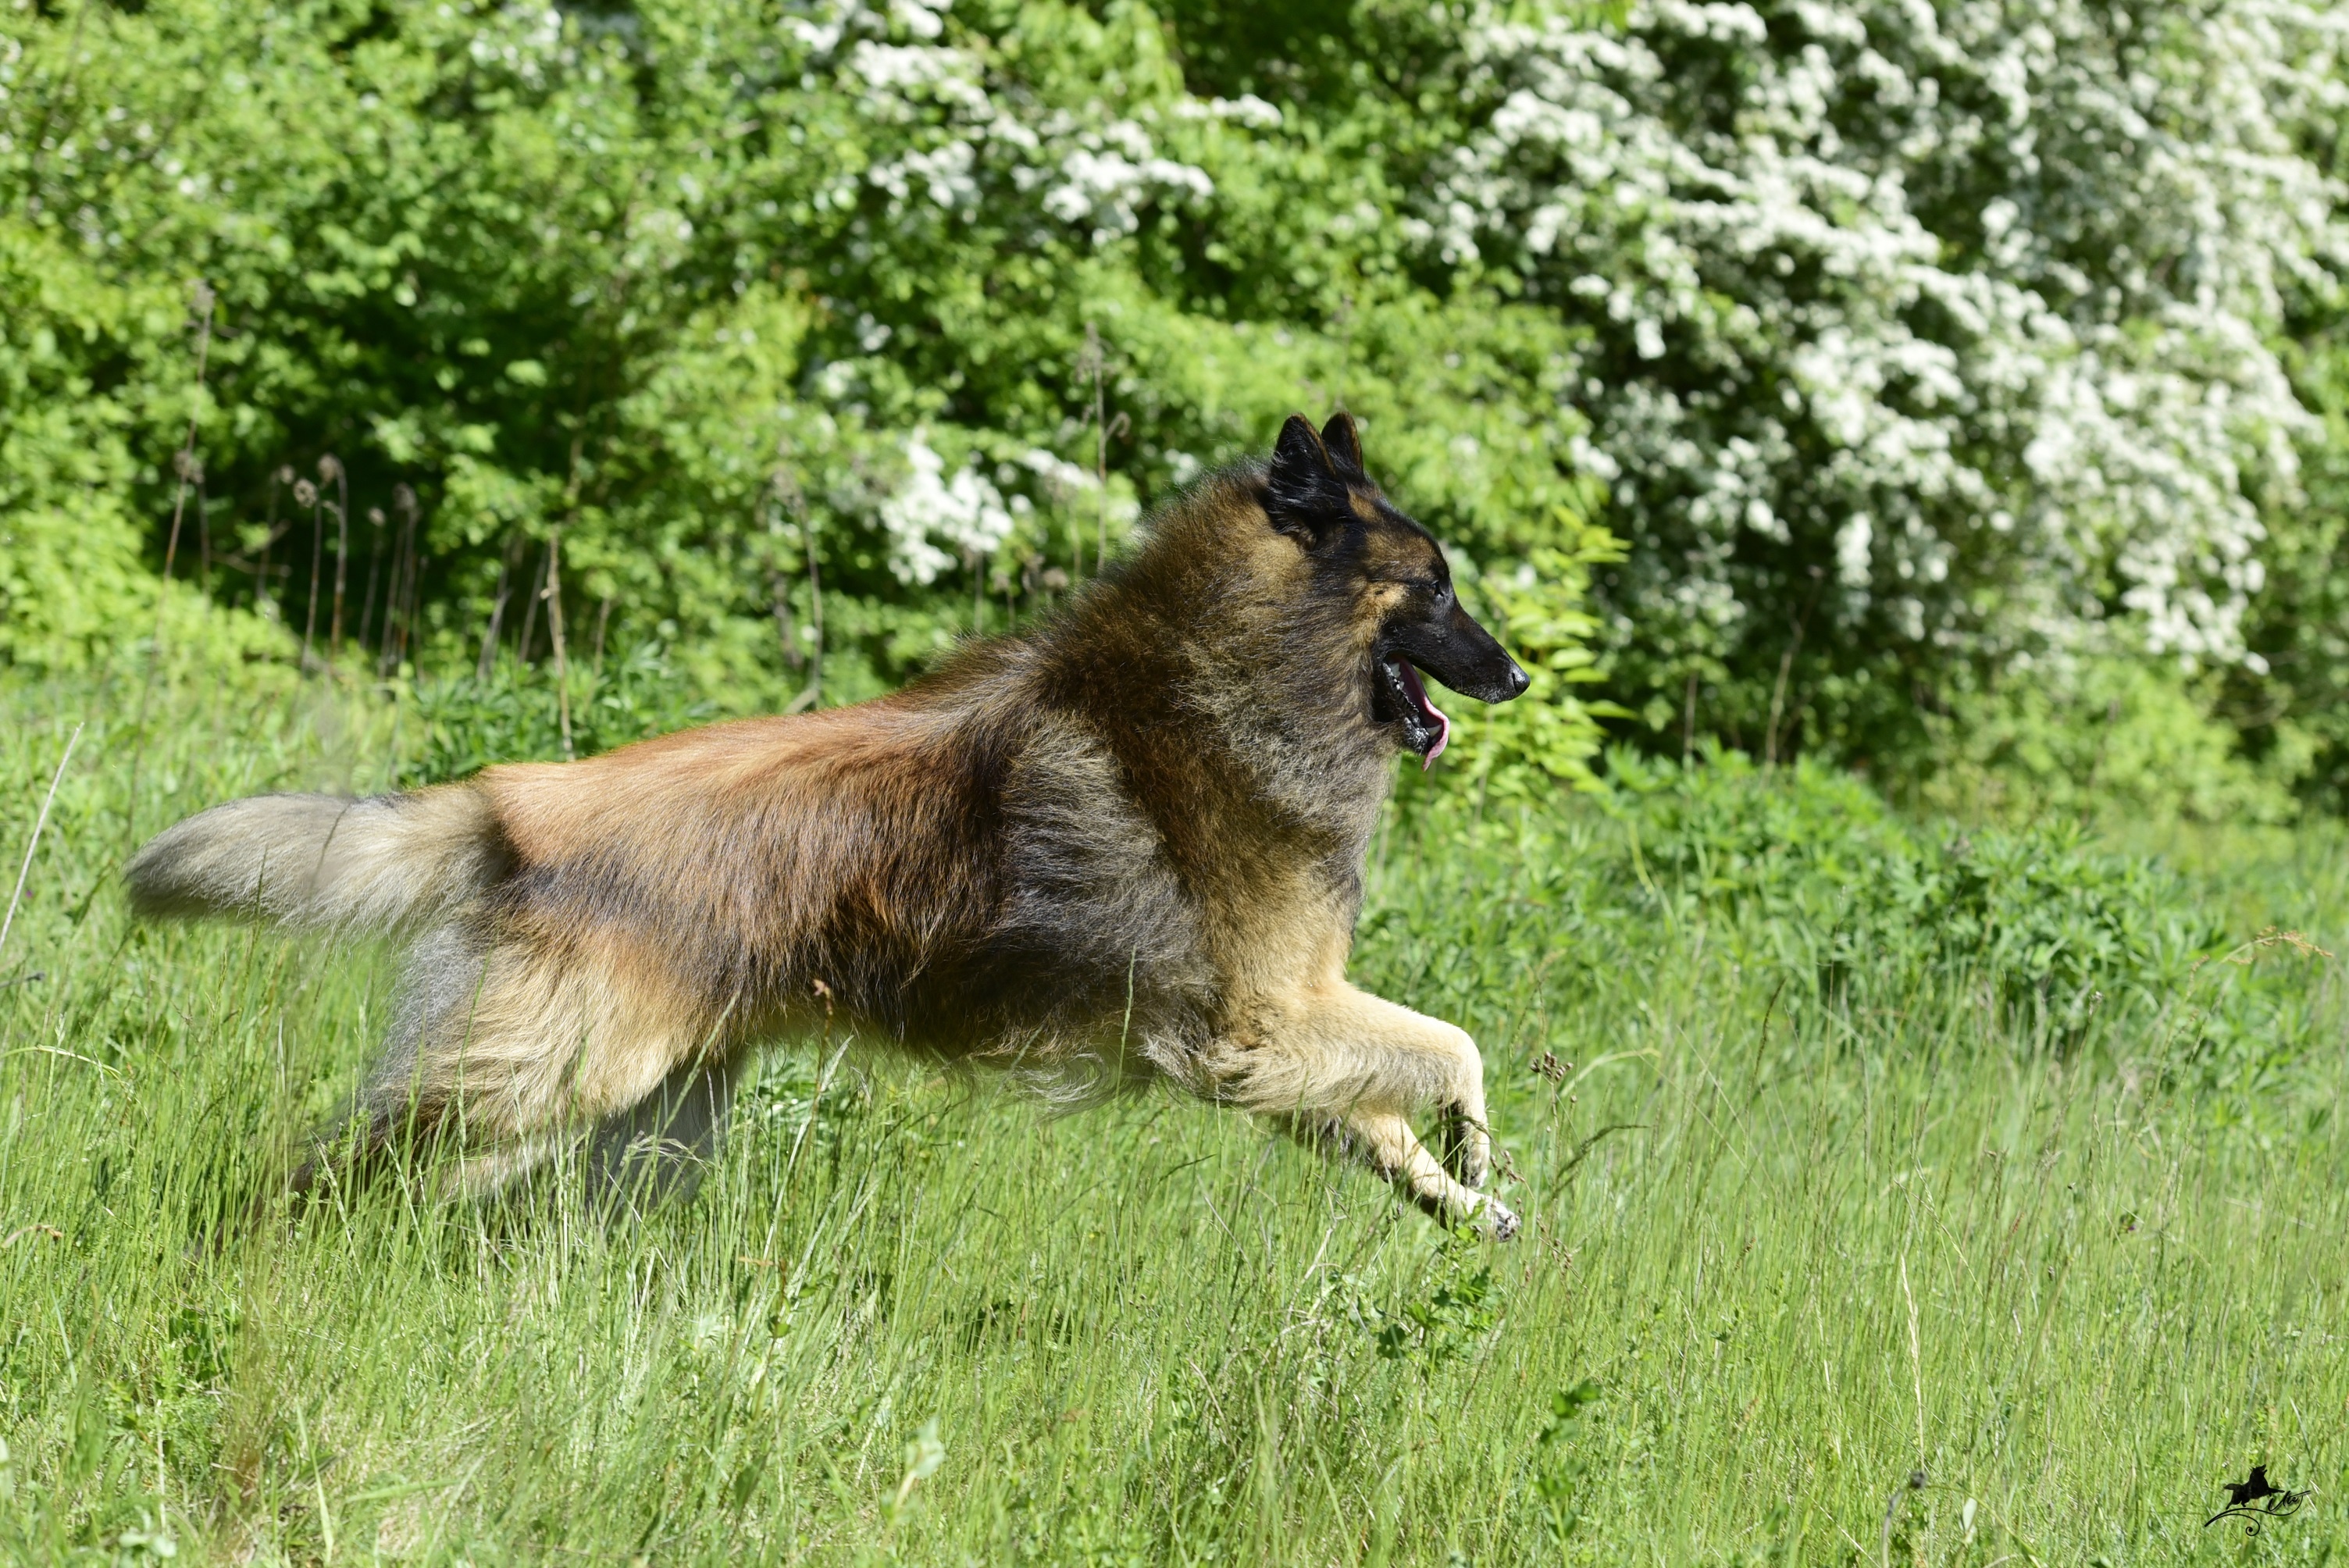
point(1851, 1153)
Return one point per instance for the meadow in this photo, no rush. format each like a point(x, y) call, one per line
point(1892, 1195)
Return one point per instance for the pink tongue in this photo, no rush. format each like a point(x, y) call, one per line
point(1428, 711)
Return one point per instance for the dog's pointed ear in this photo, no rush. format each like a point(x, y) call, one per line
point(1344, 442)
point(1303, 493)
point(1299, 458)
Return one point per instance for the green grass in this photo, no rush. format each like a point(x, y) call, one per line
point(1808, 1212)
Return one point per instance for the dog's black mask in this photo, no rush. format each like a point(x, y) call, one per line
point(1315, 491)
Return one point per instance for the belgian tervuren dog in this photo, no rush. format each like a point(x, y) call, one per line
point(1127, 844)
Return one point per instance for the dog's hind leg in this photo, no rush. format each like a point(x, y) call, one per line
point(508, 1051)
point(662, 1149)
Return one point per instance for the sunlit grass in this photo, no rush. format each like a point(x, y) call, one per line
point(1800, 1247)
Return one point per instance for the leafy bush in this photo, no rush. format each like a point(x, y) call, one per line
point(2103, 740)
point(2292, 706)
point(785, 318)
point(1896, 345)
point(514, 714)
point(1524, 750)
point(1921, 338)
point(1874, 908)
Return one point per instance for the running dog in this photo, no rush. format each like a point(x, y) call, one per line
point(1126, 845)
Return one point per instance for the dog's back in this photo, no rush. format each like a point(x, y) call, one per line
point(747, 861)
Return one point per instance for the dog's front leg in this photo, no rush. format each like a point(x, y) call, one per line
point(1385, 1142)
point(1347, 1068)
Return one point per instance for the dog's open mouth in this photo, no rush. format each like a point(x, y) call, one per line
point(1425, 728)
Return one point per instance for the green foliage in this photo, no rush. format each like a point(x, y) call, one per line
point(888, 321)
point(2105, 740)
point(1863, 906)
point(1454, 1309)
point(1559, 1471)
point(787, 317)
point(1525, 749)
point(2293, 709)
point(515, 713)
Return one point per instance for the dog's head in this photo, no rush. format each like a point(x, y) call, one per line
point(1393, 576)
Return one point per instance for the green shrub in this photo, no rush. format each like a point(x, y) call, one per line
point(1872, 907)
point(898, 316)
point(782, 316)
point(2103, 740)
point(515, 713)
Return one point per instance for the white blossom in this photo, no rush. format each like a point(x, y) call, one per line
point(1109, 172)
point(966, 511)
point(1906, 272)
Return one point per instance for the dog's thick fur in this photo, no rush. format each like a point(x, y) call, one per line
point(1129, 844)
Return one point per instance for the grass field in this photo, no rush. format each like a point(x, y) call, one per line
point(1861, 1168)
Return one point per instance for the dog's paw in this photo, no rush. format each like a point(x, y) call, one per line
point(1498, 1220)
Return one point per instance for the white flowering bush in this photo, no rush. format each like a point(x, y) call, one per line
point(1948, 330)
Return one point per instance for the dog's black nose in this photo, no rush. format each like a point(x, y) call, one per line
point(1518, 679)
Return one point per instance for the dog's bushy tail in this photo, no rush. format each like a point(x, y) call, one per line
point(324, 862)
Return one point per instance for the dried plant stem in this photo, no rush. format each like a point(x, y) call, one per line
point(317, 552)
point(184, 463)
point(40, 822)
point(342, 554)
point(1916, 1358)
point(554, 627)
point(498, 608)
point(397, 617)
point(412, 606)
point(779, 596)
point(794, 499)
point(399, 609)
point(1916, 1482)
point(269, 537)
point(1786, 668)
point(1101, 447)
point(410, 585)
point(530, 604)
point(779, 581)
point(816, 617)
point(374, 574)
point(203, 537)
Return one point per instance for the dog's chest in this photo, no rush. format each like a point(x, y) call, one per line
point(1187, 886)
